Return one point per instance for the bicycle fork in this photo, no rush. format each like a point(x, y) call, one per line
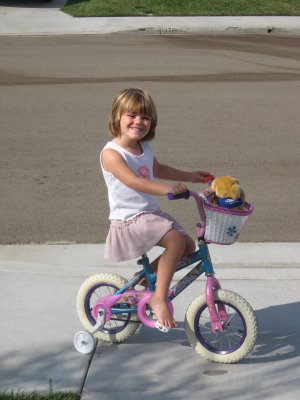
point(212, 284)
point(217, 314)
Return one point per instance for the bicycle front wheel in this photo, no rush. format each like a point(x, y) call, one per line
point(121, 326)
point(239, 332)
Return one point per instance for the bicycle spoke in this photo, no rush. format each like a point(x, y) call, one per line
point(226, 341)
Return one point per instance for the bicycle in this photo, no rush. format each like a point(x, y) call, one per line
point(219, 324)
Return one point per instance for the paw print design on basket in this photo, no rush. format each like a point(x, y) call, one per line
point(144, 172)
point(232, 231)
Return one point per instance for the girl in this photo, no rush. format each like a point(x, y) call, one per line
point(137, 224)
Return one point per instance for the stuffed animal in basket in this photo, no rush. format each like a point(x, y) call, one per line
point(228, 192)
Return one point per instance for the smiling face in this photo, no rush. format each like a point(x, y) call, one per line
point(134, 126)
point(134, 109)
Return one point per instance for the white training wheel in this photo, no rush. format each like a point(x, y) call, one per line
point(84, 342)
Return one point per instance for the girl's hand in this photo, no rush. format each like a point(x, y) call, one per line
point(201, 177)
point(177, 188)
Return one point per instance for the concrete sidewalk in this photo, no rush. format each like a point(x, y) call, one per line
point(47, 19)
point(38, 288)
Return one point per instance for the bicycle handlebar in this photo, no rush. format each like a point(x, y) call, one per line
point(184, 195)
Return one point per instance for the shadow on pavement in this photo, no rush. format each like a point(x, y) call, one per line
point(278, 338)
point(279, 333)
point(158, 366)
point(34, 369)
point(151, 355)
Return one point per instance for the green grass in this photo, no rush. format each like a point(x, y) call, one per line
point(106, 8)
point(51, 395)
point(6, 395)
point(36, 396)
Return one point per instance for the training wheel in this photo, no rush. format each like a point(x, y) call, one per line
point(84, 342)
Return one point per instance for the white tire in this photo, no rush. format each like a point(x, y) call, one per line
point(239, 335)
point(121, 326)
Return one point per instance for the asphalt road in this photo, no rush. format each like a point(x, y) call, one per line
point(226, 104)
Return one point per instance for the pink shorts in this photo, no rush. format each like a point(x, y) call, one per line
point(127, 240)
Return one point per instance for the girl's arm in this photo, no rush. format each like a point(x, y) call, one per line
point(162, 171)
point(114, 163)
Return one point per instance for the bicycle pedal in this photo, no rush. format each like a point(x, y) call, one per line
point(139, 329)
point(100, 321)
point(161, 328)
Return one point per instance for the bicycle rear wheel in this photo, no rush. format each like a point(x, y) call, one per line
point(239, 332)
point(121, 326)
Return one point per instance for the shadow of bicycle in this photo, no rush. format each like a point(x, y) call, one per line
point(278, 338)
point(279, 334)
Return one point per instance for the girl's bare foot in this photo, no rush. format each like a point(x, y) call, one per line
point(162, 312)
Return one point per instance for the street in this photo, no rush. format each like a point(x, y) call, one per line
point(225, 104)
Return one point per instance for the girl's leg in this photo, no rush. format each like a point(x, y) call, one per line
point(189, 249)
point(175, 246)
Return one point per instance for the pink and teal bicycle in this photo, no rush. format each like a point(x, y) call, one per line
point(220, 324)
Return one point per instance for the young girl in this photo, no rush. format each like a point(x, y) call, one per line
point(137, 223)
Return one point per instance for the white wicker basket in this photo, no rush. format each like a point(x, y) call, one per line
point(223, 225)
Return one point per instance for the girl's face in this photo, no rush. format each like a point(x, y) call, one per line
point(134, 126)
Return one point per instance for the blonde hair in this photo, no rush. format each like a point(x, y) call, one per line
point(132, 100)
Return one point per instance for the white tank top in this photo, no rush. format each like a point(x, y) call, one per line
point(126, 203)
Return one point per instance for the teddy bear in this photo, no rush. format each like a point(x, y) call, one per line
point(228, 192)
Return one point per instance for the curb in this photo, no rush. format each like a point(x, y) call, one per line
point(242, 255)
point(243, 261)
point(55, 22)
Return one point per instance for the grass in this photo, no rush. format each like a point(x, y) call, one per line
point(115, 8)
point(36, 396)
point(51, 395)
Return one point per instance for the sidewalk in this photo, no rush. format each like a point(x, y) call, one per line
point(38, 287)
point(47, 19)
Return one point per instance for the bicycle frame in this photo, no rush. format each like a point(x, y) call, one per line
point(204, 265)
point(201, 257)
